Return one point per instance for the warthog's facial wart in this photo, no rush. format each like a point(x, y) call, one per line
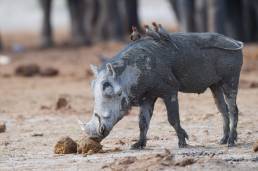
point(110, 102)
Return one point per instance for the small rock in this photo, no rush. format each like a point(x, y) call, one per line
point(37, 134)
point(61, 103)
point(65, 145)
point(2, 127)
point(43, 107)
point(49, 72)
point(254, 85)
point(28, 70)
point(255, 146)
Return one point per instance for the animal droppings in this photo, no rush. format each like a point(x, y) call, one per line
point(88, 146)
point(65, 145)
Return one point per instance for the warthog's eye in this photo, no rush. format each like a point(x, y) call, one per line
point(106, 84)
point(107, 89)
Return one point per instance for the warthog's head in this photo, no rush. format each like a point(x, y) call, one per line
point(110, 103)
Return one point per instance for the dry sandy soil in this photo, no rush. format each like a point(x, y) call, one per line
point(27, 105)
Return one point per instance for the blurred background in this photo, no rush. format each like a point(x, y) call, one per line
point(89, 31)
point(77, 22)
point(86, 22)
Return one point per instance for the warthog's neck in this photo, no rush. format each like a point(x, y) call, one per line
point(128, 79)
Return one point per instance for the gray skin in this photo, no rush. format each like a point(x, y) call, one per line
point(151, 68)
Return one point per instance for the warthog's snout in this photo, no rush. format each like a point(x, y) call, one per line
point(95, 128)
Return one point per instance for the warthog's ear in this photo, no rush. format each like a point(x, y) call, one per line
point(111, 69)
point(94, 69)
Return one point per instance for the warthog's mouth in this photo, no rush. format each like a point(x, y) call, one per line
point(92, 133)
point(96, 139)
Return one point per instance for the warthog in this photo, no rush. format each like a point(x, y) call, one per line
point(161, 64)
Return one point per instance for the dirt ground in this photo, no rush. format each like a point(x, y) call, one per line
point(27, 106)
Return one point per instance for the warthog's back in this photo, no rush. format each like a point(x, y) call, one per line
point(204, 59)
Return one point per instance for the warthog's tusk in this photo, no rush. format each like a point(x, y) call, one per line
point(82, 125)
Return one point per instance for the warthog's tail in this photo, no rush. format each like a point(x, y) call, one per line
point(237, 43)
point(222, 42)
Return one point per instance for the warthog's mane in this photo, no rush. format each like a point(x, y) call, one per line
point(146, 46)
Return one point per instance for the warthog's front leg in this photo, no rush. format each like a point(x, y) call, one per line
point(171, 103)
point(146, 110)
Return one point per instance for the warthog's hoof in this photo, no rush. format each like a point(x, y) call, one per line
point(138, 146)
point(224, 140)
point(183, 135)
point(232, 139)
point(182, 144)
point(231, 142)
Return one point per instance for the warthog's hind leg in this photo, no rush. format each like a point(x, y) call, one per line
point(230, 97)
point(217, 92)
